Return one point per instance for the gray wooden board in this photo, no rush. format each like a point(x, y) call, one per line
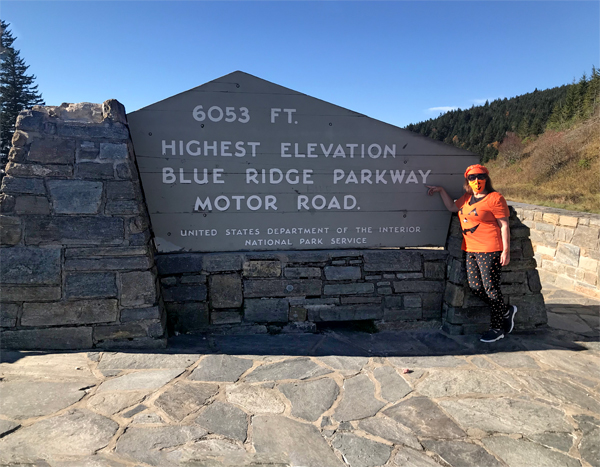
point(280, 231)
point(320, 156)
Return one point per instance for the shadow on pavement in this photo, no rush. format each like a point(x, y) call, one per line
point(338, 341)
point(341, 342)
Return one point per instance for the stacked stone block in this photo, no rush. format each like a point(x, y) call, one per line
point(292, 291)
point(567, 247)
point(77, 268)
point(463, 313)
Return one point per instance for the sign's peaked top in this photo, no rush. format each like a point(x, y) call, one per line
point(245, 84)
point(242, 83)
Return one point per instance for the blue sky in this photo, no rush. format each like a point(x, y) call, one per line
point(398, 61)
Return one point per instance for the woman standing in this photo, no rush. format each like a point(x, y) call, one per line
point(483, 215)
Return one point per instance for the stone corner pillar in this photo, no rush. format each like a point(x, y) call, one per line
point(77, 266)
point(464, 313)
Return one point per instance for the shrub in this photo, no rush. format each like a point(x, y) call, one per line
point(552, 153)
point(585, 163)
point(510, 149)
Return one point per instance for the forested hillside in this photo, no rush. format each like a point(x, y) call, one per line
point(541, 148)
point(481, 129)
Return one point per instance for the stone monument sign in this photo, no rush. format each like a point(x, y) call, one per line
point(242, 164)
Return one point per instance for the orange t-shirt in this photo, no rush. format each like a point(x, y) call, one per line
point(481, 232)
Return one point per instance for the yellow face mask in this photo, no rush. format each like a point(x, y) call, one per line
point(477, 185)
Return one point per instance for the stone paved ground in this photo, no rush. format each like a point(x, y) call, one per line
point(333, 399)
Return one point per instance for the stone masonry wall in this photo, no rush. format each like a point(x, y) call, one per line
point(292, 291)
point(76, 266)
point(566, 246)
point(464, 313)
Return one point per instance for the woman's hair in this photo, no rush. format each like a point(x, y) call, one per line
point(488, 186)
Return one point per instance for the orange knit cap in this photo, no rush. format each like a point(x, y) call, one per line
point(476, 169)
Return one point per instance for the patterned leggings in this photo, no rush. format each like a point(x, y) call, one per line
point(483, 273)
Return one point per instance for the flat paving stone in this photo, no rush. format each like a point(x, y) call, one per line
point(109, 403)
point(593, 321)
point(6, 426)
point(561, 389)
point(560, 441)
point(358, 400)
point(63, 367)
point(184, 398)
point(332, 346)
point(443, 383)
point(446, 361)
point(273, 434)
point(439, 344)
point(393, 386)
point(565, 296)
point(255, 399)
point(282, 344)
point(224, 419)
point(385, 343)
point(461, 454)
point(520, 452)
point(570, 322)
point(310, 399)
point(27, 399)
point(134, 411)
point(577, 363)
point(513, 360)
point(512, 343)
point(147, 418)
point(211, 452)
point(151, 444)
point(221, 368)
point(190, 343)
point(406, 457)
point(390, 430)
point(91, 461)
point(347, 366)
point(589, 447)
point(140, 380)
point(361, 452)
point(424, 418)
point(145, 361)
point(75, 433)
point(557, 308)
point(234, 459)
point(481, 362)
point(551, 340)
point(504, 415)
point(297, 368)
point(586, 423)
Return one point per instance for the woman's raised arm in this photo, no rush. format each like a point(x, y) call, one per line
point(450, 206)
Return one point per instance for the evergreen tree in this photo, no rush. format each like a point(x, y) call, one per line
point(580, 97)
point(591, 99)
point(17, 91)
point(581, 101)
point(524, 128)
point(570, 107)
point(555, 120)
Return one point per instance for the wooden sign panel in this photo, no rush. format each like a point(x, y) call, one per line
point(241, 164)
